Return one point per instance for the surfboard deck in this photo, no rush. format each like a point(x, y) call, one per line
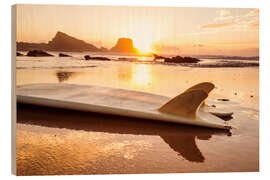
point(110, 101)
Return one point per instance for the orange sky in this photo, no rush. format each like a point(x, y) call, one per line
point(165, 30)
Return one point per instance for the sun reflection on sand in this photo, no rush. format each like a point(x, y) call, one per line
point(142, 58)
point(141, 75)
point(145, 59)
point(136, 76)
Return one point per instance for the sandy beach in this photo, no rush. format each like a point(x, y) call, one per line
point(58, 141)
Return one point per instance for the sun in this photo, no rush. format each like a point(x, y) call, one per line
point(144, 48)
point(143, 44)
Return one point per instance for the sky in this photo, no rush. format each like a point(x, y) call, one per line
point(164, 30)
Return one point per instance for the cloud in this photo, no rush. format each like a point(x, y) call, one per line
point(216, 25)
point(223, 12)
point(198, 45)
point(254, 12)
point(221, 18)
point(166, 49)
point(254, 19)
point(226, 19)
point(254, 24)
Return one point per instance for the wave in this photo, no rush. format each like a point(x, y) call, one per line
point(56, 67)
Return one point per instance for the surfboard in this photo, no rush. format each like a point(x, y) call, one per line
point(186, 108)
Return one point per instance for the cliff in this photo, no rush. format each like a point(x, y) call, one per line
point(64, 42)
point(124, 45)
point(60, 42)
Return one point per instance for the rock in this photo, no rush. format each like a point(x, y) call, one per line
point(87, 57)
point(226, 118)
point(63, 55)
point(128, 59)
point(158, 57)
point(179, 59)
point(125, 45)
point(101, 58)
point(37, 53)
point(19, 54)
point(223, 99)
point(191, 60)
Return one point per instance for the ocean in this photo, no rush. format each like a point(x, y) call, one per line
point(77, 61)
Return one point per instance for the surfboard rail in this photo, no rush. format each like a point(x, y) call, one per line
point(152, 115)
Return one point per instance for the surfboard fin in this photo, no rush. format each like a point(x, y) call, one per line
point(205, 86)
point(185, 104)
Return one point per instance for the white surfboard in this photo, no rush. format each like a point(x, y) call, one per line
point(184, 108)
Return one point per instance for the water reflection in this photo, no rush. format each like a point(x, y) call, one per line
point(186, 146)
point(180, 138)
point(139, 75)
point(63, 75)
point(124, 73)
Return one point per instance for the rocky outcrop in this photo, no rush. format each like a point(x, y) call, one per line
point(37, 53)
point(64, 42)
point(158, 57)
point(61, 42)
point(124, 45)
point(87, 57)
point(177, 59)
point(127, 59)
point(63, 55)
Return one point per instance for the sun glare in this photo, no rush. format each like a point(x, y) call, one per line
point(141, 75)
point(144, 48)
point(143, 43)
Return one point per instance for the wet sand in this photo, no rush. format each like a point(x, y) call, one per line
point(58, 141)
